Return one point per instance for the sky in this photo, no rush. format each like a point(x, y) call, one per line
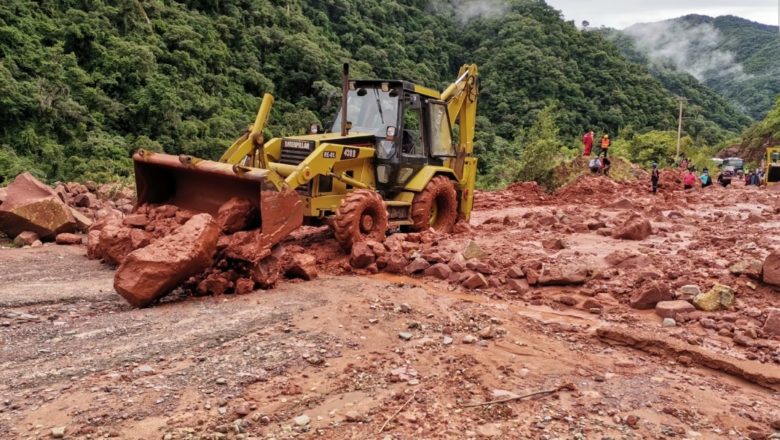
point(623, 13)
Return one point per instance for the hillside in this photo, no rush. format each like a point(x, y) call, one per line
point(84, 84)
point(737, 58)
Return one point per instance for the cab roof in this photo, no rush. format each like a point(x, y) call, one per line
point(406, 85)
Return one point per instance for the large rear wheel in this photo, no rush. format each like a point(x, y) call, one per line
point(436, 206)
point(361, 216)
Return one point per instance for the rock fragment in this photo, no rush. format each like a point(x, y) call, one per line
point(151, 272)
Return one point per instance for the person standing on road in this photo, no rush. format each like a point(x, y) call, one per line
point(587, 141)
point(655, 176)
point(689, 180)
point(605, 142)
point(723, 180)
point(705, 178)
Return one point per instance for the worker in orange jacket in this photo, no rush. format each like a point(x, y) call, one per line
point(605, 143)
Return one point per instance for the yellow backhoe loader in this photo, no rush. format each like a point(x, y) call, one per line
point(392, 164)
point(772, 166)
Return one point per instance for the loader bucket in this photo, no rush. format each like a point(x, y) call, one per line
point(202, 186)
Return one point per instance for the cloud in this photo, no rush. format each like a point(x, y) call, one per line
point(470, 9)
point(690, 48)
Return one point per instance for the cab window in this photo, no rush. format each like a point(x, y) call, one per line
point(441, 135)
point(411, 137)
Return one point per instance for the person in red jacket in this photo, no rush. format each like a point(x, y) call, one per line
point(587, 141)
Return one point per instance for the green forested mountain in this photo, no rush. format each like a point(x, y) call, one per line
point(83, 83)
point(707, 112)
point(737, 58)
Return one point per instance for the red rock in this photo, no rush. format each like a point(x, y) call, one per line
point(457, 263)
point(567, 300)
point(591, 303)
point(25, 238)
point(85, 200)
point(30, 205)
point(114, 242)
point(183, 215)
point(302, 266)
point(770, 271)
point(236, 215)
point(563, 276)
point(68, 238)
point(483, 268)
point(244, 286)
point(83, 223)
point(671, 309)
point(152, 271)
point(265, 272)
point(396, 263)
point(651, 295)
point(475, 281)
point(518, 285)
point(361, 255)
point(634, 228)
point(622, 204)
point(515, 272)
point(136, 220)
point(165, 211)
point(93, 244)
point(438, 270)
point(214, 284)
point(553, 244)
point(417, 265)
point(772, 324)
point(532, 276)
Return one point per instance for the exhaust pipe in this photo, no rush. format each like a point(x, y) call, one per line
point(344, 92)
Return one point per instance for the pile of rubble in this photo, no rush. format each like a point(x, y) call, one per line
point(159, 248)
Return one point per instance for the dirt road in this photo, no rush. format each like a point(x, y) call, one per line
point(393, 357)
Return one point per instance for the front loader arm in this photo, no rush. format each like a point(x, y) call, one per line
point(251, 142)
point(326, 160)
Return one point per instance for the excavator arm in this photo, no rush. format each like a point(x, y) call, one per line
point(461, 99)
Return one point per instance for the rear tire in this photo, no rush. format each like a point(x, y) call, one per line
point(436, 206)
point(361, 216)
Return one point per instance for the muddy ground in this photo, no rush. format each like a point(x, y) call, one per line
point(394, 357)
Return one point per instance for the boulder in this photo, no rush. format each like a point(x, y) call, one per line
point(457, 263)
point(361, 255)
point(68, 238)
point(438, 270)
point(622, 204)
point(770, 271)
point(719, 297)
point(396, 263)
point(236, 215)
point(85, 200)
point(83, 223)
point(634, 228)
point(303, 266)
point(671, 309)
point(650, 295)
point(116, 241)
point(772, 324)
point(265, 272)
point(26, 238)
point(244, 286)
point(472, 250)
point(518, 285)
point(30, 205)
point(515, 272)
point(563, 276)
point(152, 271)
point(475, 281)
point(417, 265)
point(750, 267)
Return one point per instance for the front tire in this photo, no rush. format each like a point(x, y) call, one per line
point(436, 206)
point(361, 216)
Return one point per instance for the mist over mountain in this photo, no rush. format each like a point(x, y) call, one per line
point(737, 58)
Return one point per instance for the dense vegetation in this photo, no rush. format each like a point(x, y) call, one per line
point(83, 83)
point(762, 134)
point(737, 58)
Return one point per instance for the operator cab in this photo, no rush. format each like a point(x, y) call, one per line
point(409, 123)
